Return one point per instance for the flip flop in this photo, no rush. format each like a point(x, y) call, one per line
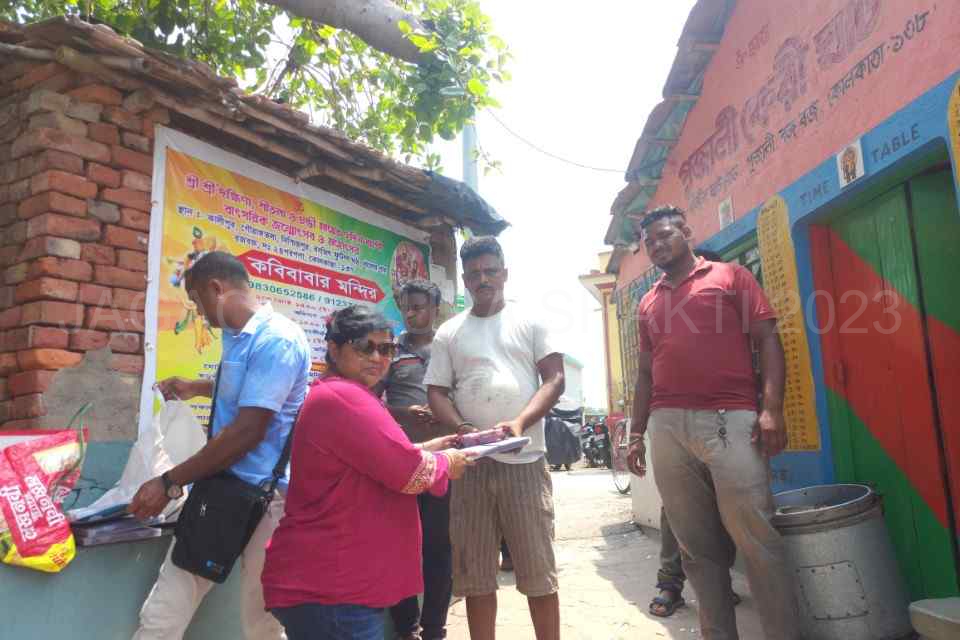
point(670, 605)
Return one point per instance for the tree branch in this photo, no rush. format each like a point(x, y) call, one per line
point(373, 21)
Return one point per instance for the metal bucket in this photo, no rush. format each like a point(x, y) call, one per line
point(847, 580)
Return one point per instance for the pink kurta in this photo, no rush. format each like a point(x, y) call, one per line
point(351, 530)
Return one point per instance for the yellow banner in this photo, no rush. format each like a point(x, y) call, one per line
point(305, 258)
point(782, 286)
point(953, 120)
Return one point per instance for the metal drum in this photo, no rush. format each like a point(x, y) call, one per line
point(847, 580)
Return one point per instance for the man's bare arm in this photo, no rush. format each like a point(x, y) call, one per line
point(771, 429)
point(239, 437)
point(443, 409)
point(551, 388)
point(772, 363)
point(642, 392)
point(233, 442)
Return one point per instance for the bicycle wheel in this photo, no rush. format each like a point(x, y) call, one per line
point(619, 441)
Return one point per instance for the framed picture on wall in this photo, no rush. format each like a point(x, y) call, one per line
point(850, 163)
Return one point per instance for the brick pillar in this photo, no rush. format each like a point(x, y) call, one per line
point(443, 252)
point(75, 166)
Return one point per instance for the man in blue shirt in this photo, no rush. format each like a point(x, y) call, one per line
point(263, 379)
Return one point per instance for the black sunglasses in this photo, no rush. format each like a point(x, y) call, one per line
point(366, 347)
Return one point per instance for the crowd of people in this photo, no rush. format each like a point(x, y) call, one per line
point(379, 505)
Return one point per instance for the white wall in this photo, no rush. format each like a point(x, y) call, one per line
point(572, 397)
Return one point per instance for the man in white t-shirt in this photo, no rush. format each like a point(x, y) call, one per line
point(493, 365)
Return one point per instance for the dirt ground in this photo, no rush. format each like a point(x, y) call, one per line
point(607, 568)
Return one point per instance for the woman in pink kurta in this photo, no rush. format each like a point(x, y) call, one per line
point(349, 543)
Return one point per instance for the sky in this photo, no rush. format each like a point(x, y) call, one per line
point(583, 84)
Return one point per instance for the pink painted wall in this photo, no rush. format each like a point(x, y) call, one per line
point(776, 74)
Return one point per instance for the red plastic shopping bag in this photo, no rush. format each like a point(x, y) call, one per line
point(35, 476)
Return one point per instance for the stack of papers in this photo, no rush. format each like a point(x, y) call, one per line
point(504, 446)
point(125, 529)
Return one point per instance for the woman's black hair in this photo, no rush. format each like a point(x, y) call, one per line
point(354, 322)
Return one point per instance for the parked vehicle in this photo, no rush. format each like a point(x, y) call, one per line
point(563, 445)
point(619, 442)
point(595, 440)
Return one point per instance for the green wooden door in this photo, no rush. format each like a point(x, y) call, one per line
point(886, 425)
point(936, 222)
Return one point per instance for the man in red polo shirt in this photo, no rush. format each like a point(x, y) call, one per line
point(697, 395)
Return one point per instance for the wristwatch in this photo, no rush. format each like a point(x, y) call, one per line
point(173, 491)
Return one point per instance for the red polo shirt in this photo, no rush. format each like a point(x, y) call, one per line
point(698, 333)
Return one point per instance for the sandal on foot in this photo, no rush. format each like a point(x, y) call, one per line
point(736, 598)
point(664, 606)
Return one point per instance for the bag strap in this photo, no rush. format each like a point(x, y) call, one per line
point(281, 466)
point(213, 404)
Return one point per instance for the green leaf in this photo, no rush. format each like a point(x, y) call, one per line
point(380, 101)
point(476, 87)
point(424, 43)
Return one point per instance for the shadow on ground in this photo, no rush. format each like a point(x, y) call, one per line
point(628, 558)
point(607, 569)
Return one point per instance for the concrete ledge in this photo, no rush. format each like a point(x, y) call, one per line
point(936, 619)
point(98, 596)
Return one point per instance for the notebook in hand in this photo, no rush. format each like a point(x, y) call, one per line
point(504, 446)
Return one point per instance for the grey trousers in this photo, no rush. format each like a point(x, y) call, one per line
point(711, 476)
point(670, 575)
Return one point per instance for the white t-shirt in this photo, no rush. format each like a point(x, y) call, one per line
point(490, 364)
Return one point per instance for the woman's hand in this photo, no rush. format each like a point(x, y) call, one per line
point(458, 463)
point(439, 444)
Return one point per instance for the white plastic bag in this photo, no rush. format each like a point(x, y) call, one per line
point(173, 436)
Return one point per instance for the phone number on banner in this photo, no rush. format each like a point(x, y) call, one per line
point(283, 291)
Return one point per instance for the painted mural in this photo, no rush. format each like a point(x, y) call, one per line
point(792, 84)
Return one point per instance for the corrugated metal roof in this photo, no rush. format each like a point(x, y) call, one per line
point(701, 35)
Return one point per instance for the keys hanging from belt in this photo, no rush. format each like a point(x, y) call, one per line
point(722, 426)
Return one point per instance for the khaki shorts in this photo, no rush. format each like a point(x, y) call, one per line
point(513, 501)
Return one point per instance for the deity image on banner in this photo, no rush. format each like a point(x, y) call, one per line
point(407, 264)
point(201, 245)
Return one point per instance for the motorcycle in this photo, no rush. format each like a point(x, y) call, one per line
point(595, 441)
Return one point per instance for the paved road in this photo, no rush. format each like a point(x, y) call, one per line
point(607, 570)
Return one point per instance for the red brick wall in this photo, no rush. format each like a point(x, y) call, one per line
point(75, 177)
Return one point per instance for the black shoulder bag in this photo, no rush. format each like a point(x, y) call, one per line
point(220, 515)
